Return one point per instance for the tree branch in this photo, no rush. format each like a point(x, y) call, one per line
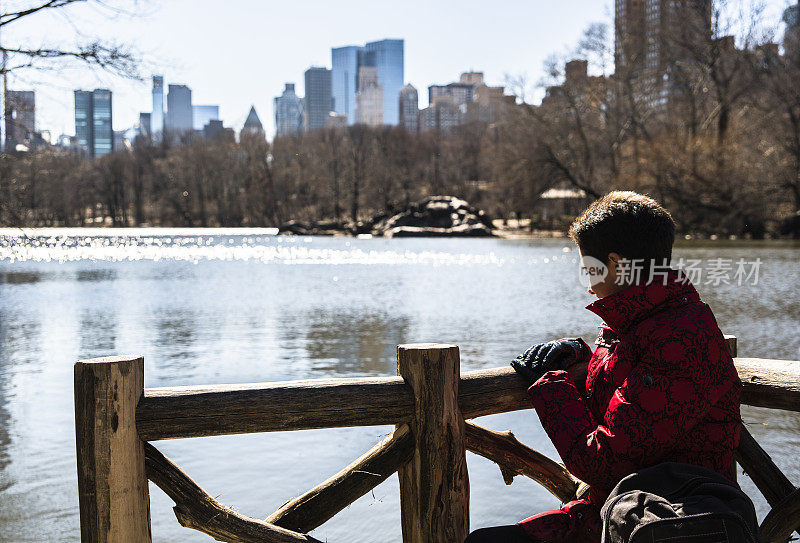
point(112, 58)
point(8, 18)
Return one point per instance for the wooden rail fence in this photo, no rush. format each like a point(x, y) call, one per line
point(429, 403)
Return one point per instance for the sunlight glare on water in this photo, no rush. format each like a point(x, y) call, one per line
point(208, 244)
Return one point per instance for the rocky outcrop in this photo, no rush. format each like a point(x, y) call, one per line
point(790, 226)
point(436, 216)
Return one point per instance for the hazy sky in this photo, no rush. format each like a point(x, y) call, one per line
point(241, 52)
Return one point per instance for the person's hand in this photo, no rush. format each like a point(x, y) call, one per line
point(544, 357)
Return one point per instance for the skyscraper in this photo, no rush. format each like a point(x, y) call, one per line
point(456, 94)
point(387, 57)
point(84, 119)
point(157, 116)
point(252, 125)
point(629, 37)
point(652, 35)
point(20, 118)
point(489, 104)
point(791, 37)
point(442, 116)
point(101, 115)
point(143, 129)
point(409, 108)
point(675, 30)
point(93, 118)
point(389, 60)
point(214, 130)
point(344, 80)
point(468, 100)
point(318, 100)
point(288, 112)
point(180, 117)
point(369, 98)
point(201, 115)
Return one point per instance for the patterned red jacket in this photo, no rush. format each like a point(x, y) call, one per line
point(661, 387)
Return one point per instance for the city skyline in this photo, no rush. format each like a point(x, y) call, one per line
point(227, 75)
point(517, 44)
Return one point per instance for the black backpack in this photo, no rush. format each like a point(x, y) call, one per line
point(678, 503)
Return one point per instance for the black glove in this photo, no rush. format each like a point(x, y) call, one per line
point(550, 356)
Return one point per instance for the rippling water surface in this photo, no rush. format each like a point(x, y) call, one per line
point(227, 306)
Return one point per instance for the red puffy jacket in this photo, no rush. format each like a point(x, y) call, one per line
point(661, 387)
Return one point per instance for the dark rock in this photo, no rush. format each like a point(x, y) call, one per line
point(461, 231)
point(438, 216)
point(329, 225)
point(294, 227)
point(790, 226)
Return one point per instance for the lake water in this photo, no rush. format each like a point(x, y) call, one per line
point(225, 307)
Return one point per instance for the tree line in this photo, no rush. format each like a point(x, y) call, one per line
point(720, 148)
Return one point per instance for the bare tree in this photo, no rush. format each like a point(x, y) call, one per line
point(98, 53)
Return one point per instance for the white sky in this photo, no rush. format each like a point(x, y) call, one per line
point(241, 52)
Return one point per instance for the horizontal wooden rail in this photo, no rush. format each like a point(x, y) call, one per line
point(194, 411)
point(770, 383)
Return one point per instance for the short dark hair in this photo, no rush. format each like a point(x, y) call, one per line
point(628, 223)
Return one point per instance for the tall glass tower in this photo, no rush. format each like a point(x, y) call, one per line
point(101, 115)
point(84, 121)
point(387, 56)
point(318, 98)
point(344, 80)
point(157, 117)
point(93, 122)
point(180, 117)
point(202, 115)
point(288, 112)
point(409, 108)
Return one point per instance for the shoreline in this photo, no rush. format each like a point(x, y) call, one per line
point(183, 231)
point(136, 231)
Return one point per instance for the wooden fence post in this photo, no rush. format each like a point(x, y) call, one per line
point(434, 485)
point(112, 484)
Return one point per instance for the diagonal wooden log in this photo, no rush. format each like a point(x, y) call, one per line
point(195, 509)
point(773, 484)
point(768, 478)
point(318, 505)
point(514, 458)
point(784, 518)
